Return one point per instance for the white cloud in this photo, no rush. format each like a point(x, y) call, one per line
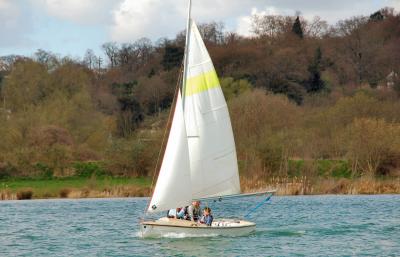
point(4, 4)
point(244, 26)
point(86, 12)
point(129, 20)
point(393, 3)
point(244, 22)
point(155, 19)
point(146, 18)
point(15, 22)
point(332, 11)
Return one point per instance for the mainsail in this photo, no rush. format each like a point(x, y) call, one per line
point(200, 157)
point(173, 184)
point(212, 152)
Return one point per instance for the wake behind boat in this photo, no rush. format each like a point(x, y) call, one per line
point(200, 160)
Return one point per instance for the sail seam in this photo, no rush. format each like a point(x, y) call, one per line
point(225, 154)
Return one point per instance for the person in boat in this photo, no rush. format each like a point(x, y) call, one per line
point(178, 213)
point(194, 211)
point(207, 218)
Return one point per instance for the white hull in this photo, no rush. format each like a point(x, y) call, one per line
point(183, 228)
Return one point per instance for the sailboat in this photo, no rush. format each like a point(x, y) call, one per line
point(200, 160)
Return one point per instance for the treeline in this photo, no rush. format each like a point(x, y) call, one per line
point(296, 89)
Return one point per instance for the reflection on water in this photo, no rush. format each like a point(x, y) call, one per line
point(287, 226)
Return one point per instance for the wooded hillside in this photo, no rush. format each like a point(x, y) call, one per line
point(297, 90)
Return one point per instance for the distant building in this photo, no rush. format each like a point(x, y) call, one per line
point(389, 82)
point(390, 79)
point(3, 66)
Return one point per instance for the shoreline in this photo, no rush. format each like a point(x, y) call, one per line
point(109, 187)
point(128, 197)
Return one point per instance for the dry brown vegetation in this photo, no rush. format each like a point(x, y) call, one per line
point(317, 186)
point(314, 108)
point(25, 194)
point(270, 131)
point(112, 192)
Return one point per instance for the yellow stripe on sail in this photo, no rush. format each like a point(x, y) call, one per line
point(201, 83)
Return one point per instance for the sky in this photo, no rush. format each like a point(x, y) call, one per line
point(70, 27)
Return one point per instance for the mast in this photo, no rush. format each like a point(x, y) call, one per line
point(185, 60)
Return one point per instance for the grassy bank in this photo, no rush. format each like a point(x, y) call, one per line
point(300, 177)
point(73, 187)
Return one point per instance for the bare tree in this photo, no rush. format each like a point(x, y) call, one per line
point(50, 60)
point(353, 41)
point(270, 25)
point(90, 59)
point(315, 28)
point(143, 49)
point(212, 32)
point(111, 50)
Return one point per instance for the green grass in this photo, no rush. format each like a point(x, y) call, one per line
point(323, 168)
point(334, 168)
point(47, 188)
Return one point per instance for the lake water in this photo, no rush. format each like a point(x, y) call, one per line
point(286, 226)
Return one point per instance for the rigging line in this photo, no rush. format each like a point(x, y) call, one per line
point(276, 202)
point(156, 169)
point(258, 206)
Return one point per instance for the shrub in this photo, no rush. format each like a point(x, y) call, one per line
point(295, 168)
point(87, 169)
point(45, 172)
point(25, 194)
point(371, 143)
point(341, 169)
point(272, 157)
point(64, 192)
point(5, 171)
point(334, 168)
point(233, 88)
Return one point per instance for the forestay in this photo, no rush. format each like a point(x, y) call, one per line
point(212, 153)
point(173, 184)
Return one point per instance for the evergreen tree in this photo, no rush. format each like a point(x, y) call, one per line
point(130, 113)
point(297, 29)
point(315, 83)
point(173, 56)
point(376, 16)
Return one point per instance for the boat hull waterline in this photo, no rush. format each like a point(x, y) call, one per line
point(165, 227)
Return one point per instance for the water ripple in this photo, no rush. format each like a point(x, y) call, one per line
point(287, 226)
